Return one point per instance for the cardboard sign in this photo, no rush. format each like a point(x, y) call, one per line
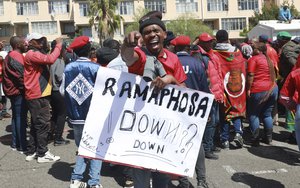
point(128, 122)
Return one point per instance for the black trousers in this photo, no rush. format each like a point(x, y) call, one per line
point(58, 114)
point(40, 125)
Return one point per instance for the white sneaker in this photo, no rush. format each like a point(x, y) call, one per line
point(77, 184)
point(48, 158)
point(96, 186)
point(31, 157)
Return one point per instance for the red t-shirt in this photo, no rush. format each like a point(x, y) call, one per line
point(168, 59)
point(258, 65)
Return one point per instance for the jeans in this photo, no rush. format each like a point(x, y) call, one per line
point(19, 122)
point(225, 126)
point(257, 109)
point(40, 125)
point(141, 179)
point(58, 113)
point(81, 162)
point(297, 125)
point(209, 132)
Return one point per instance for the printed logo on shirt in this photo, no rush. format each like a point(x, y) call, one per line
point(186, 69)
point(80, 89)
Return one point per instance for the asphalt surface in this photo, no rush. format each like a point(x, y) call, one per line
point(267, 166)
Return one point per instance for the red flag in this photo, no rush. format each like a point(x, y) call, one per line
point(233, 66)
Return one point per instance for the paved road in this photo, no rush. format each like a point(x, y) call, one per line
point(274, 166)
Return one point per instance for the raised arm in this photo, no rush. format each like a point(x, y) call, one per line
point(132, 40)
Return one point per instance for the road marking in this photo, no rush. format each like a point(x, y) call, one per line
point(231, 171)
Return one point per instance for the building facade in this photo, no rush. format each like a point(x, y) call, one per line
point(55, 18)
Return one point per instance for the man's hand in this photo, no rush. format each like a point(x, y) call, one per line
point(160, 82)
point(133, 39)
point(59, 40)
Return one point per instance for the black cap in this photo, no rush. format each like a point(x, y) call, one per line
point(105, 55)
point(222, 36)
point(153, 17)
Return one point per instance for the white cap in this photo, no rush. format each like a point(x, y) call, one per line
point(34, 36)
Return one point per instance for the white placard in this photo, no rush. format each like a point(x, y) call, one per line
point(129, 123)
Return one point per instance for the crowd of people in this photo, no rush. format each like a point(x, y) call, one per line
point(250, 82)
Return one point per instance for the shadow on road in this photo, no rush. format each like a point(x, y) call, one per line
point(6, 139)
point(278, 153)
point(254, 181)
point(114, 171)
point(61, 170)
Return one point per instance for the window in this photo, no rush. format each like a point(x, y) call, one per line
point(158, 5)
point(217, 5)
point(86, 31)
point(45, 27)
point(126, 8)
point(1, 8)
point(58, 6)
point(248, 4)
point(186, 6)
point(84, 9)
point(233, 23)
point(27, 8)
point(5, 30)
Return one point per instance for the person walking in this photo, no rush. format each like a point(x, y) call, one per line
point(233, 67)
point(262, 92)
point(37, 93)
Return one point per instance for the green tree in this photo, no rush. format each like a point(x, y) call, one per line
point(188, 25)
point(134, 26)
point(268, 12)
point(102, 15)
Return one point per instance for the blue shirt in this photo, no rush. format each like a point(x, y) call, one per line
point(195, 72)
point(285, 14)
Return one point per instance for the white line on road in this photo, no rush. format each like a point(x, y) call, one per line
point(230, 170)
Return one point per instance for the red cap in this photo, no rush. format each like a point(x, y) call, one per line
point(181, 40)
point(79, 42)
point(205, 37)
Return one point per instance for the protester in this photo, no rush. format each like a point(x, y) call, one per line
point(168, 39)
point(196, 79)
point(81, 72)
point(285, 13)
point(233, 72)
point(203, 52)
point(13, 87)
point(262, 93)
point(117, 63)
point(105, 55)
point(37, 93)
point(152, 32)
point(3, 110)
point(290, 51)
point(59, 112)
point(290, 89)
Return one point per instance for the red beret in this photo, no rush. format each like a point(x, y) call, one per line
point(181, 40)
point(79, 42)
point(205, 37)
